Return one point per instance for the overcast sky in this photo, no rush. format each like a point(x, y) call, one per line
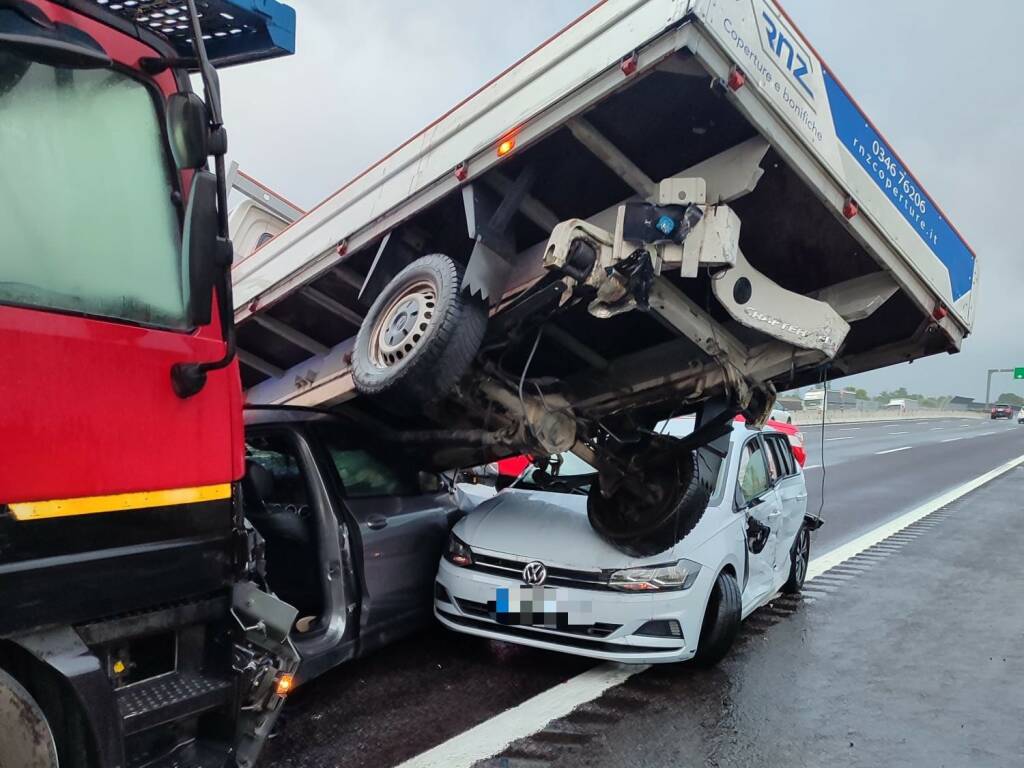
point(939, 78)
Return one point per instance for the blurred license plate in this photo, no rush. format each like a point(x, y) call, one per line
point(540, 606)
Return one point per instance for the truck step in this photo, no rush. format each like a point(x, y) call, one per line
point(169, 697)
point(156, 619)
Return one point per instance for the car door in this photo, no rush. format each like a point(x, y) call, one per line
point(791, 490)
point(757, 499)
point(402, 517)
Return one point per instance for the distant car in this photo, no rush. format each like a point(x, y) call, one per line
point(526, 567)
point(1002, 411)
point(781, 414)
point(1020, 415)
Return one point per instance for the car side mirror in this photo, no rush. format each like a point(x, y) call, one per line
point(188, 128)
point(742, 505)
point(200, 245)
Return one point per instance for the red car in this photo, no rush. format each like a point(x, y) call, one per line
point(796, 437)
point(1002, 411)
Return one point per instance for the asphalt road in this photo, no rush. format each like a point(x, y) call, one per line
point(908, 655)
point(424, 690)
point(871, 472)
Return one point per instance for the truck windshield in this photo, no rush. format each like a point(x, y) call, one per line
point(88, 221)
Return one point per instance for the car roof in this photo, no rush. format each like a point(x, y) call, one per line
point(682, 426)
point(285, 414)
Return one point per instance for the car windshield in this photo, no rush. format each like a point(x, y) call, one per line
point(565, 468)
point(366, 469)
point(88, 220)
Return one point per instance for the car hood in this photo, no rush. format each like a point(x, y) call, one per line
point(550, 527)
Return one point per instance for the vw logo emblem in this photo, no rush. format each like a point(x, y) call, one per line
point(534, 573)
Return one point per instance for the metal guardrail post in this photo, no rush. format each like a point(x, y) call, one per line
point(988, 385)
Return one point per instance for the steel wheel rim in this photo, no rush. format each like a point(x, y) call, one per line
point(403, 324)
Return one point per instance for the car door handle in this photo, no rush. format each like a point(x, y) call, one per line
point(377, 522)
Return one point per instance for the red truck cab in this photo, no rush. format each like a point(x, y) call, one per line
point(123, 555)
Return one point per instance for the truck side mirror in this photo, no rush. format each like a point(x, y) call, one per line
point(188, 128)
point(200, 246)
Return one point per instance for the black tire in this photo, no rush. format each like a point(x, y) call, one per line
point(640, 531)
point(799, 557)
point(64, 716)
point(721, 621)
point(26, 736)
point(420, 336)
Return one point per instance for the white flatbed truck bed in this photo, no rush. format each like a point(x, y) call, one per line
point(670, 206)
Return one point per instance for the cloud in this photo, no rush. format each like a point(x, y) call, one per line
point(366, 76)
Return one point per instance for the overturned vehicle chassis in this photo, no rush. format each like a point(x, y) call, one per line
point(650, 255)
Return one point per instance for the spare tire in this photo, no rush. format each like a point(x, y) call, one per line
point(644, 524)
point(420, 335)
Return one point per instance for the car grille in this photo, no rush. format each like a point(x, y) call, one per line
point(550, 637)
point(557, 577)
point(485, 611)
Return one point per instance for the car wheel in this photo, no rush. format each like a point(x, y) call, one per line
point(420, 335)
point(799, 557)
point(721, 621)
point(652, 510)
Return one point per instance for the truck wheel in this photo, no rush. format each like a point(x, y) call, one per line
point(799, 556)
point(420, 335)
point(651, 509)
point(26, 740)
point(721, 621)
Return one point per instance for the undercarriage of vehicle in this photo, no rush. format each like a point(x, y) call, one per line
point(614, 274)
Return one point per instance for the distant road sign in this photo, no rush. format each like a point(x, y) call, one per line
point(1018, 373)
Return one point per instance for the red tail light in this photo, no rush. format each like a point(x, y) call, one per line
point(736, 79)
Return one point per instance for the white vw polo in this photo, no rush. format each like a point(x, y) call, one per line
point(526, 567)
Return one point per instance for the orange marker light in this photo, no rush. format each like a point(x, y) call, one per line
point(285, 682)
point(506, 146)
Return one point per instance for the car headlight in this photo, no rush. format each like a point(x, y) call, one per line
point(655, 578)
point(458, 552)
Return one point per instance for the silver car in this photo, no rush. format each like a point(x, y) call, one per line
point(526, 566)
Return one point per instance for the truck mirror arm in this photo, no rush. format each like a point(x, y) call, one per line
point(188, 379)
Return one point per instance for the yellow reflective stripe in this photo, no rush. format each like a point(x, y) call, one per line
point(91, 505)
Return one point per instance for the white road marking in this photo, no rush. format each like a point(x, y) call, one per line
point(892, 450)
point(830, 439)
point(936, 429)
point(491, 736)
point(952, 439)
point(819, 565)
point(849, 429)
point(898, 433)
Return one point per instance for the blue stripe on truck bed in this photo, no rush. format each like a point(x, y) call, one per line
point(880, 163)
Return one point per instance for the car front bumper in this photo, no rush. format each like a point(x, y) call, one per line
point(613, 618)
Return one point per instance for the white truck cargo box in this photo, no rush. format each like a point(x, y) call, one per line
point(670, 206)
